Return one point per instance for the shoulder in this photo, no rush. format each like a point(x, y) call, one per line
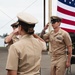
point(51, 32)
point(18, 44)
point(16, 47)
point(48, 33)
point(64, 32)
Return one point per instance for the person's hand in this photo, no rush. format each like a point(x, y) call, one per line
point(46, 26)
point(68, 64)
point(16, 31)
point(36, 36)
point(43, 31)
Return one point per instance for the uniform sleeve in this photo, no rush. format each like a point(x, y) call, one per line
point(15, 38)
point(67, 39)
point(44, 46)
point(12, 59)
point(46, 36)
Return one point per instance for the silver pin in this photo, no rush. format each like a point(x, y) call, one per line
point(69, 2)
point(64, 0)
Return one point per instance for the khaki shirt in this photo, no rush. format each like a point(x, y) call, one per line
point(25, 55)
point(14, 39)
point(59, 42)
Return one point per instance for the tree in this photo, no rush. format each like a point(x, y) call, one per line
point(4, 35)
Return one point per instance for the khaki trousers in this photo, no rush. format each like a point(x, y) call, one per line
point(58, 65)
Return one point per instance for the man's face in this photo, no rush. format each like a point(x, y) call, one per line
point(15, 29)
point(55, 23)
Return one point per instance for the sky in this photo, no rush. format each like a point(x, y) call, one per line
point(10, 8)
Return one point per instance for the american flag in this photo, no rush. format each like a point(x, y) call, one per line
point(66, 10)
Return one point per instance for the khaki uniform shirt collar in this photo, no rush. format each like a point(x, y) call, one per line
point(59, 32)
point(26, 36)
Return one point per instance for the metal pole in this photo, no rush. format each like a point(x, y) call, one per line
point(44, 13)
point(50, 13)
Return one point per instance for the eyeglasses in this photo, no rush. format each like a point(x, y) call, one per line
point(15, 26)
point(54, 21)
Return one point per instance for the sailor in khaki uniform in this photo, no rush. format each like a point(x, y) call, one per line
point(25, 55)
point(60, 42)
point(13, 36)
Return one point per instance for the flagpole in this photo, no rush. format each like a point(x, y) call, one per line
point(49, 13)
point(44, 13)
point(50, 26)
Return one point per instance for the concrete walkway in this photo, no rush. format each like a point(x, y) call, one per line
point(45, 63)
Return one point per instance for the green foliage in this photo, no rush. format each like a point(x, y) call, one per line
point(4, 35)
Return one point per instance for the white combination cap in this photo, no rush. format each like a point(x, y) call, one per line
point(27, 18)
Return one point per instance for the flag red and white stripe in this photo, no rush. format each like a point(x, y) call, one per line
point(67, 13)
